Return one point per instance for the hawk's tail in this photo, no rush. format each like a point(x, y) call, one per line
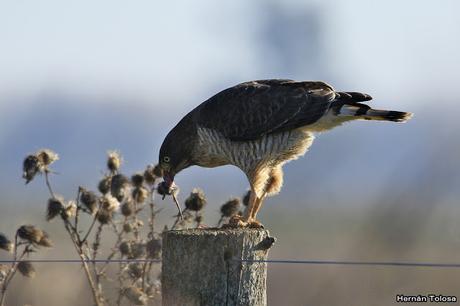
point(363, 111)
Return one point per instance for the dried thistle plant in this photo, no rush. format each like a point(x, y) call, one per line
point(123, 206)
point(5, 243)
point(38, 163)
point(26, 269)
point(117, 210)
point(114, 161)
point(28, 239)
point(246, 197)
point(229, 209)
point(194, 204)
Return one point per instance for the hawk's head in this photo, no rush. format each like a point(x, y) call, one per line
point(175, 154)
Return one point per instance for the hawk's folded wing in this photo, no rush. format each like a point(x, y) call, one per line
point(250, 110)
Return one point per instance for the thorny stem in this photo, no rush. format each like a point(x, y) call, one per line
point(91, 226)
point(136, 228)
point(77, 213)
point(78, 248)
point(120, 265)
point(47, 180)
point(96, 245)
point(97, 241)
point(75, 237)
point(220, 221)
point(89, 229)
point(196, 219)
point(9, 276)
point(115, 249)
point(144, 270)
point(120, 289)
point(179, 218)
point(152, 211)
point(148, 266)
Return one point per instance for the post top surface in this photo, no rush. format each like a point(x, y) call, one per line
point(215, 231)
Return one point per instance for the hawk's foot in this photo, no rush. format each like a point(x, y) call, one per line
point(236, 222)
point(255, 224)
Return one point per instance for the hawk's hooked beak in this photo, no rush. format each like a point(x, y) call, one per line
point(168, 177)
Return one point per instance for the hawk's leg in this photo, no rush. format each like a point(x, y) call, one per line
point(251, 211)
point(247, 219)
point(272, 186)
point(258, 206)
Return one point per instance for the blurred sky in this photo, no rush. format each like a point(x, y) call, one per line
point(84, 77)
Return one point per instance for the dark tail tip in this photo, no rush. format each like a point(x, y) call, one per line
point(398, 116)
point(386, 115)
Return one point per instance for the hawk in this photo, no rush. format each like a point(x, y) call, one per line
point(258, 126)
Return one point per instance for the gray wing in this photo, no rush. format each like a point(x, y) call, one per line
point(253, 109)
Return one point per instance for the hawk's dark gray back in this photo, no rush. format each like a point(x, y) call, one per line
point(250, 110)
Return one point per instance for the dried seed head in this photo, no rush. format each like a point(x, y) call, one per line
point(127, 228)
point(127, 208)
point(114, 161)
point(109, 203)
point(125, 248)
point(139, 223)
point(5, 243)
point(47, 157)
point(137, 250)
point(45, 241)
point(196, 200)
point(26, 269)
point(3, 272)
point(199, 219)
point(119, 186)
point(55, 207)
point(246, 198)
point(70, 210)
point(140, 194)
point(230, 208)
point(135, 295)
point(137, 180)
point(158, 171)
point(89, 199)
point(31, 166)
point(30, 233)
point(104, 184)
point(135, 270)
point(149, 175)
point(154, 289)
point(187, 216)
point(153, 248)
point(104, 216)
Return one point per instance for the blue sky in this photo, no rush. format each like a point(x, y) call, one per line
point(147, 49)
point(84, 77)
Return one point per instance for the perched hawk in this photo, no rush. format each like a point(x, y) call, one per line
point(258, 126)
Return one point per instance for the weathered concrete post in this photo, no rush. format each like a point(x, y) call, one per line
point(203, 267)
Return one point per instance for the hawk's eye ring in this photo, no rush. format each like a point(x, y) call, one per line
point(166, 159)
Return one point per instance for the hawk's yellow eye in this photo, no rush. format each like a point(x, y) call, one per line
point(166, 159)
